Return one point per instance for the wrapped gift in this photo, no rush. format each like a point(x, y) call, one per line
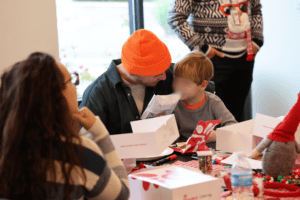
point(173, 182)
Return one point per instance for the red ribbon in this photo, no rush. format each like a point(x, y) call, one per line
point(293, 190)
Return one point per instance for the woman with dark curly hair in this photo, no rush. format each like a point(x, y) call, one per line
point(42, 156)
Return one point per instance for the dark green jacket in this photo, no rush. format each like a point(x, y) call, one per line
point(110, 99)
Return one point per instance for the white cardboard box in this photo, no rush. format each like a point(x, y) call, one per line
point(264, 125)
point(150, 137)
point(247, 135)
point(173, 183)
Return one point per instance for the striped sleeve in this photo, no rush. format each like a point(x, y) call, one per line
point(257, 23)
point(177, 19)
point(115, 185)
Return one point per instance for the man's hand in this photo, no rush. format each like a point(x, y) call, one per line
point(214, 52)
point(255, 49)
point(85, 117)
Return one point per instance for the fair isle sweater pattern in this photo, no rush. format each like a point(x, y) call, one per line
point(212, 23)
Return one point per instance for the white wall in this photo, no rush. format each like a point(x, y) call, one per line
point(26, 26)
point(277, 68)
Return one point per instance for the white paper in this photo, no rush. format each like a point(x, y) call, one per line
point(161, 104)
point(255, 164)
point(131, 145)
point(264, 125)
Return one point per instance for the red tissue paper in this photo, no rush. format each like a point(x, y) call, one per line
point(197, 142)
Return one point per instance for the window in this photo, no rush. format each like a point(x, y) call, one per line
point(90, 35)
point(155, 19)
point(92, 32)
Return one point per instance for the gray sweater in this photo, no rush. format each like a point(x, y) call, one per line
point(212, 109)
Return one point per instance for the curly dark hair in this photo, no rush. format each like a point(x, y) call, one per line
point(35, 130)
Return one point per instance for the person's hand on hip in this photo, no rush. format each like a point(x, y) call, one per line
point(214, 52)
point(255, 49)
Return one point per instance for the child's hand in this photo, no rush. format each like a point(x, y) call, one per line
point(212, 137)
point(85, 117)
point(159, 115)
point(214, 52)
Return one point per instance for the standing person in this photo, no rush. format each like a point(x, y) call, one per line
point(42, 155)
point(229, 32)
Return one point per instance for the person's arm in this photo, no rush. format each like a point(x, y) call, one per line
point(212, 137)
point(113, 182)
point(93, 99)
point(260, 147)
point(102, 139)
point(220, 111)
point(256, 23)
point(177, 19)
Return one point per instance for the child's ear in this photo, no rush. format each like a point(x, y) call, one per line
point(204, 85)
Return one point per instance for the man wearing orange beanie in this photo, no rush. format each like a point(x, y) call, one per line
point(122, 93)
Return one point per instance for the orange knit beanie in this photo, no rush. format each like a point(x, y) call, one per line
point(144, 54)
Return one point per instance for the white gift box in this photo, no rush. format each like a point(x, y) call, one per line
point(150, 137)
point(245, 136)
point(173, 183)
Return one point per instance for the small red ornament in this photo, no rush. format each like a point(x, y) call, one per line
point(218, 161)
point(269, 177)
point(259, 175)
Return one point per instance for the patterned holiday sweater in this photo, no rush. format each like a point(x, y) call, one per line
point(222, 24)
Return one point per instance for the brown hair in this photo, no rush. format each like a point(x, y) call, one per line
point(195, 66)
point(35, 129)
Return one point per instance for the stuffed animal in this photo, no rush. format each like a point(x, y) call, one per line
point(281, 147)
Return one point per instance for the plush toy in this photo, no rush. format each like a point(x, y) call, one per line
point(281, 147)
